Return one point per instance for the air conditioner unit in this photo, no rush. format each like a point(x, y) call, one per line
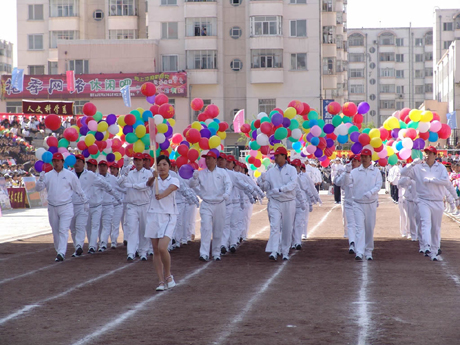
point(400, 95)
point(375, 42)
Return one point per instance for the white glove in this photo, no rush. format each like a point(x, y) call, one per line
point(367, 195)
point(311, 208)
point(427, 179)
point(417, 161)
point(225, 196)
point(302, 207)
point(242, 206)
point(42, 176)
point(128, 185)
point(196, 174)
point(126, 162)
point(86, 207)
point(348, 168)
point(118, 200)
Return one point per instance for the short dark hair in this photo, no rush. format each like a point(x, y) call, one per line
point(163, 157)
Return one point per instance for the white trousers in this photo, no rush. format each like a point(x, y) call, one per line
point(211, 223)
point(281, 216)
point(430, 218)
point(413, 219)
point(299, 225)
point(78, 225)
point(116, 220)
point(402, 205)
point(179, 229)
point(94, 223)
point(248, 207)
point(106, 224)
point(344, 220)
point(226, 230)
point(349, 220)
point(135, 225)
point(190, 220)
point(365, 215)
point(60, 218)
point(123, 223)
point(236, 224)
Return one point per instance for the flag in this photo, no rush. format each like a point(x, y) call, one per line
point(126, 94)
point(17, 79)
point(452, 120)
point(70, 81)
point(238, 121)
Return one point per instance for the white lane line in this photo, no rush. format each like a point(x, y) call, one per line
point(260, 231)
point(451, 275)
point(309, 233)
point(23, 254)
point(40, 303)
point(17, 238)
point(363, 312)
point(260, 211)
point(28, 273)
point(133, 310)
point(240, 317)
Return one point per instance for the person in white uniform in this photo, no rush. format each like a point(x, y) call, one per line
point(60, 185)
point(366, 183)
point(161, 220)
point(214, 190)
point(411, 208)
point(344, 181)
point(431, 178)
point(137, 200)
point(117, 207)
point(335, 167)
point(280, 183)
point(393, 177)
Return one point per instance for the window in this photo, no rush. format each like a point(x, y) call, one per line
point(64, 8)
point(400, 73)
point(36, 70)
point(339, 67)
point(339, 18)
point(418, 104)
point(356, 88)
point(448, 26)
point(429, 38)
point(52, 67)
point(399, 57)
point(400, 89)
point(386, 39)
point(328, 65)
point(399, 104)
point(419, 89)
point(328, 34)
point(384, 104)
point(387, 56)
point(419, 42)
point(236, 65)
point(78, 107)
point(357, 73)
point(400, 42)
point(267, 105)
point(418, 57)
point(387, 88)
point(235, 2)
point(79, 66)
point(201, 27)
point(35, 41)
point(266, 58)
point(428, 88)
point(14, 107)
point(235, 32)
point(299, 61)
point(327, 6)
point(298, 28)
point(266, 26)
point(356, 57)
point(387, 72)
point(62, 35)
point(200, 0)
point(428, 71)
point(297, 2)
point(446, 44)
point(35, 12)
point(429, 56)
point(123, 7)
point(169, 30)
point(339, 42)
point(418, 73)
point(206, 102)
point(98, 15)
point(201, 59)
point(356, 40)
point(169, 63)
point(123, 34)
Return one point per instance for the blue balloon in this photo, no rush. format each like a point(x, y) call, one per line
point(296, 146)
point(342, 139)
point(313, 122)
point(432, 138)
point(70, 160)
point(47, 157)
point(399, 146)
point(138, 123)
point(314, 141)
point(146, 115)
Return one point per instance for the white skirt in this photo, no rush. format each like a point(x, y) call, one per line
point(159, 225)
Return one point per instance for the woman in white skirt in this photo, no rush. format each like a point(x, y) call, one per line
point(161, 221)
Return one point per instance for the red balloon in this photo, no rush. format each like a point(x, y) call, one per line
point(364, 139)
point(204, 143)
point(331, 136)
point(329, 151)
point(384, 134)
point(251, 159)
point(266, 128)
point(181, 160)
point(122, 151)
point(93, 149)
point(116, 144)
point(79, 124)
point(161, 99)
point(46, 167)
point(334, 108)
point(70, 134)
point(436, 117)
point(425, 135)
point(155, 109)
point(349, 109)
point(411, 133)
point(257, 163)
point(166, 110)
point(52, 141)
point(53, 122)
point(265, 150)
point(202, 117)
point(358, 118)
point(257, 123)
point(89, 109)
point(403, 113)
point(306, 109)
point(148, 89)
point(325, 163)
point(129, 151)
point(444, 132)
point(197, 104)
point(246, 128)
point(297, 105)
point(193, 155)
point(194, 165)
point(322, 143)
point(383, 162)
point(182, 150)
point(193, 136)
point(212, 110)
point(81, 145)
point(130, 119)
point(378, 149)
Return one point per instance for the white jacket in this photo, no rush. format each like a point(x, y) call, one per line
point(280, 183)
point(94, 187)
point(214, 186)
point(137, 192)
point(367, 183)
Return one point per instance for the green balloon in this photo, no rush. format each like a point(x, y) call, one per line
point(346, 119)
point(336, 120)
point(313, 115)
point(214, 125)
point(366, 130)
point(252, 125)
point(265, 119)
point(63, 143)
point(105, 154)
point(321, 123)
point(266, 162)
point(97, 116)
point(146, 139)
point(322, 135)
point(91, 132)
point(294, 124)
point(413, 125)
point(252, 167)
point(292, 140)
point(137, 114)
point(306, 124)
point(131, 138)
point(402, 124)
point(353, 129)
point(247, 158)
point(281, 133)
point(253, 145)
point(96, 155)
point(272, 112)
point(393, 159)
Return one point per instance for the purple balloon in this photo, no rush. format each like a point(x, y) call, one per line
point(185, 143)
point(394, 133)
point(363, 108)
point(318, 153)
point(38, 166)
point(127, 129)
point(354, 137)
point(328, 128)
point(303, 155)
point(53, 149)
point(164, 145)
point(169, 132)
point(111, 119)
point(110, 157)
point(216, 151)
point(421, 143)
point(322, 158)
point(205, 133)
point(150, 99)
point(84, 130)
point(309, 137)
point(186, 171)
point(272, 140)
point(99, 136)
point(85, 153)
point(356, 148)
point(277, 119)
point(254, 134)
point(286, 122)
point(329, 142)
point(83, 120)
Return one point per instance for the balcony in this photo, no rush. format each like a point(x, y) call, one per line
point(267, 75)
point(329, 50)
point(64, 23)
point(200, 9)
point(329, 18)
point(201, 43)
point(266, 8)
point(122, 22)
point(203, 76)
point(329, 81)
point(264, 42)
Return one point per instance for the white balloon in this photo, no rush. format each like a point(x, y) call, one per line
point(108, 150)
point(208, 121)
point(402, 133)
point(160, 138)
point(114, 129)
point(407, 143)
point(342, 129)
point(262, 139)
point(423, 127)
point(296, 133)
point(158, 119)
point(261, 115)
point(39, 153)
point(369, 147)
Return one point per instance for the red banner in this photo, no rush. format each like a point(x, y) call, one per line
point(17, 197)
point(172, 84)
point(47, 107)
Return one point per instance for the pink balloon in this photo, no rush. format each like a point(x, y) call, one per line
point(62, 150)
point(382, 154)
point(92, 125)
point(253, 153)
point(404, 153)
point(202, 163)
point(315, 131)
point(311, 149)
point(435, 126)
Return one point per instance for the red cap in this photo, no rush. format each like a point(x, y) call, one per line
point(281, 151)
point(243, 165)
point(357, 157)
point(222, 155)
point(80, 156)
point(103, 163)
point(296, 162)
point(58, 156)
point(429, 148)
point(138, 156)
point(92, 161)
point(366, 152)
point(210, 154)
point(145, 156)
point(173, 163)
point(230, 158)
point(303, 166)
point(109, 164)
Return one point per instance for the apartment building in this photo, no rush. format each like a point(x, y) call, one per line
point(390, 68)
point(446, 29)
point(6, 57)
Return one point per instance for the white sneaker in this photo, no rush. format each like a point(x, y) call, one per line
point(273, 256)
point(143, 258)
point(369, 258)
point(161, 287)
point(304, 237)
point(455, 212)
point(285, 257)
point(170, 284)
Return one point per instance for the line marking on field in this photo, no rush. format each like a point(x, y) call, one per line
point(363, 312)
point(309, 233)
point(40, 303)
point(23, 254)
point(451, 275)
point(260, 231)
point(260, 211)
point(133, 310)
point(23, 237)
point(249, 304)
point(28, 273)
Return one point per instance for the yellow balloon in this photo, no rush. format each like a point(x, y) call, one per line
point(374, 133)
point(140, 110)
point(333, 156)
point(138, 146)
point(214, 142)
point(90, 139)
point(172, 122)
point(256, 174)
point(376, 142)
point(106, 136)
point(120, 133)
point(290, 113)
point(259, 155)
point(76, 128)
point(162, 128)
point(393, 123)
point(386, 125)
point(427, 116)
point(169, 149)
point(276, 146)
point(222, 135)
point(102, 126)
point(415, 115)
point(390, 151)
point(196, 125)
point(117, 155)
point(196, 146)
point(375, 156)
point(121, 120)
point(140, 131)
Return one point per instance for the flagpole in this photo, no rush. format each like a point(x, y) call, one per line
point(153, 146)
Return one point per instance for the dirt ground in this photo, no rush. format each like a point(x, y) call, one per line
point(320, 296)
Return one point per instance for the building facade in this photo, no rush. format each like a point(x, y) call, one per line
point(6, 57)
point(390, 68)
point(446, 29)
